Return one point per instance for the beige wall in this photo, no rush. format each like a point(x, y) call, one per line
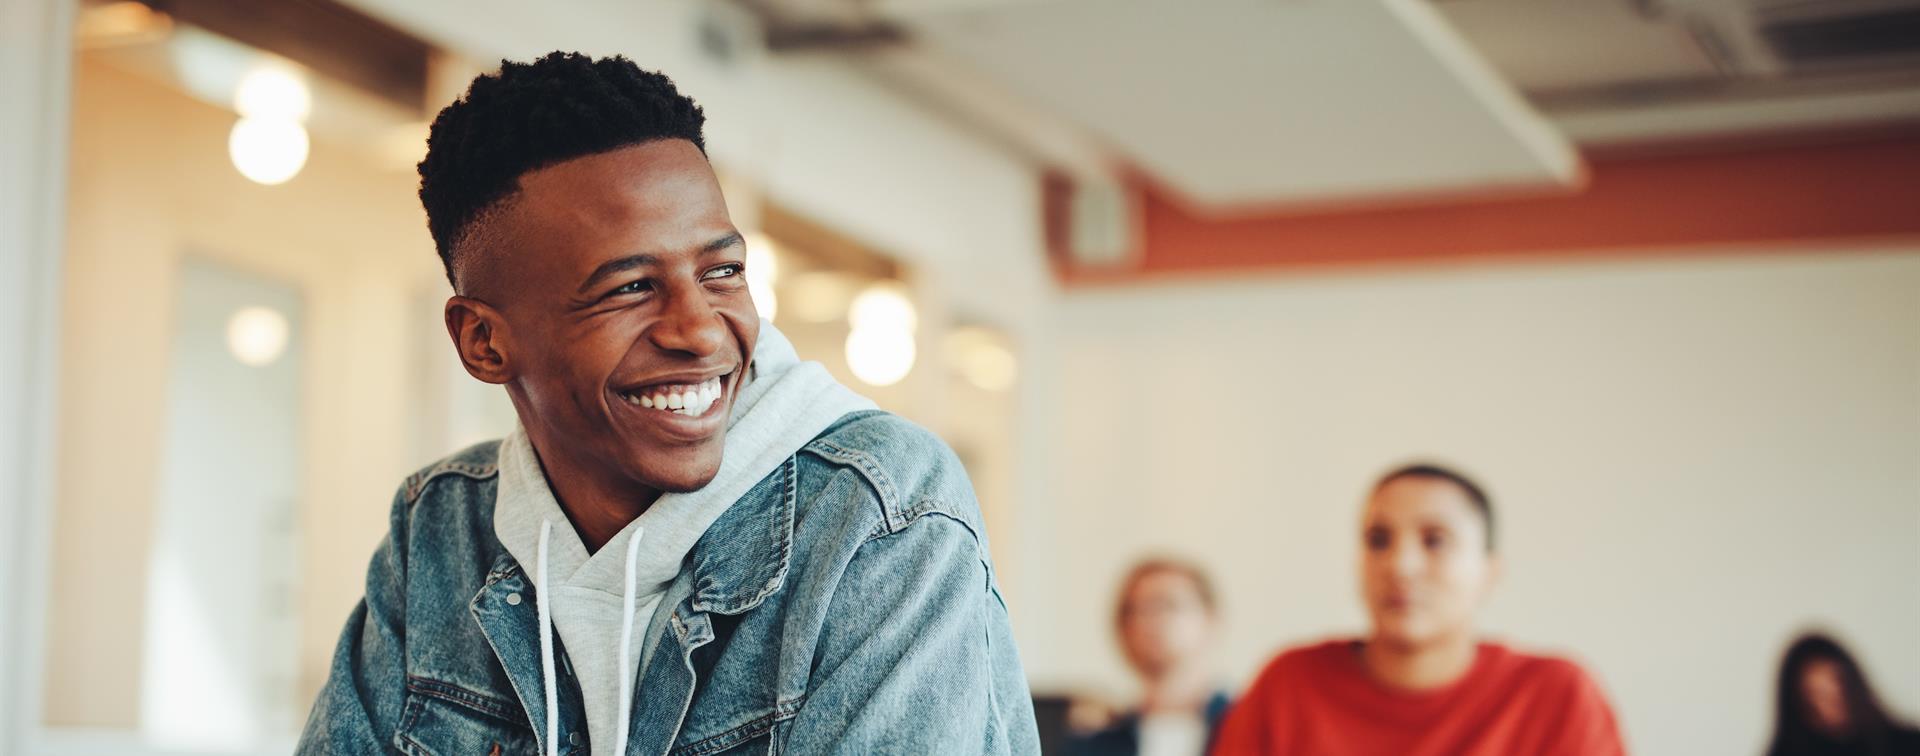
point(151, 182)
point(1690, 460)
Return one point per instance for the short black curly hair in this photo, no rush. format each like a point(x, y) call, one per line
point(532, 115)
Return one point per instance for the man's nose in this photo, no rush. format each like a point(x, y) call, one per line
point(690, 324)
point(1406, 559)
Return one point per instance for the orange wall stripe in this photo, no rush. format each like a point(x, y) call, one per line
point(1629, 206)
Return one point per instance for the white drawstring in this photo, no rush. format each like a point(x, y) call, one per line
point(543, 600)
point(625, 702)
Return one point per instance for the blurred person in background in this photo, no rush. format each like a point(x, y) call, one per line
point(1167, 620)
point(1825, 707)
point(691, 537)
point(1422, 682)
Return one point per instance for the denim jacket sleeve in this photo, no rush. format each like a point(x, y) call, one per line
point(357, 709)
point(918, 657)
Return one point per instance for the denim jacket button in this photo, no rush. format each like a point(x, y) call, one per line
point(573, 738)
point(513, 599)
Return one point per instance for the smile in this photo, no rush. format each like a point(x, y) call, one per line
point(692, 400)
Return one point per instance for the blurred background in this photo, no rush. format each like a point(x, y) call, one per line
point(1174, 277)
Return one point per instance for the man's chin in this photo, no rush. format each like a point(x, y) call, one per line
point(684, 487)
point(671, 467)
point(681, 480)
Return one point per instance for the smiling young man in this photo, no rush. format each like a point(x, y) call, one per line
point(1422, 683)
point(693, 541)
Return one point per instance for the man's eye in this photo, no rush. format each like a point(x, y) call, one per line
point(632, 288)
point(724, 271)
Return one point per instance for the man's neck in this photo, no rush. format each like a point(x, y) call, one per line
point(597, 504)
point(1422, 666)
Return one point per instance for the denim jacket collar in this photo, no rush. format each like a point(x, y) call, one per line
point(744, 555)
point(511, 626)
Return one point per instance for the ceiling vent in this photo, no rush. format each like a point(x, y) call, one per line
point(1841, 35)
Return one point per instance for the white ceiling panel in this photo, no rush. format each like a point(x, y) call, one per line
point(1254, 102)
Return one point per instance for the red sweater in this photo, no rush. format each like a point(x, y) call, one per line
point(1319, 701)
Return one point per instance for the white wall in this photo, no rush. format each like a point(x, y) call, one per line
point(222, 629)
point(1690, 460)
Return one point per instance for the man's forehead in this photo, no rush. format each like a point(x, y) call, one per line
point(631, 198)
point(1419, 497)
point(658, 174)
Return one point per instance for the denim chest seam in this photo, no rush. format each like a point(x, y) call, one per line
point(931, 507)
point(868, 468)
point(417, 484)
point(922, 506)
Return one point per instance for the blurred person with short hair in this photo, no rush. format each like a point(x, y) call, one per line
point(1422, 683)
point(1167, 621)
point(1824, 706)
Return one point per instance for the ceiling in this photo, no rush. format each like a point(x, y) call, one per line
point(1238, 102)
point(1235, 106)
point(1229, 104)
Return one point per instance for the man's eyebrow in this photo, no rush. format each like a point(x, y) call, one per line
point(630, 262)
point(730, 240)
point(617, 265)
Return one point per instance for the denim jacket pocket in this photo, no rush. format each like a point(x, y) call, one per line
point(760, 734)
point(439, 719)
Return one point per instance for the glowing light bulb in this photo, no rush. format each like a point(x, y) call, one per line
point(268, 151)
point(883, 305)
point(880, 356)
point(257, 335)
point(273, 92)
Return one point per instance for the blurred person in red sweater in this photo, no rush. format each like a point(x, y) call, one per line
point(1422, 682)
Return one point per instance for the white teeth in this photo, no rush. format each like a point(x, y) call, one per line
point(692, 400)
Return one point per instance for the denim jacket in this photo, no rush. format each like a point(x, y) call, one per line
point(846, 604)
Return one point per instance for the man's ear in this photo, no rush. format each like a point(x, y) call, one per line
point(478, 334)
